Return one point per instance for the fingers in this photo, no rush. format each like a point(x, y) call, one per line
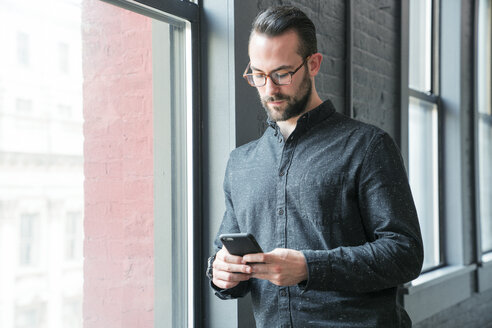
point(231, 267)
point(260, 268)
point(231, 276)
point(256, 258)
point(224, 256)
point(224, 279)
point(229, 270)
point(281, 267)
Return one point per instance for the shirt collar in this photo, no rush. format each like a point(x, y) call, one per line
point(312, 117)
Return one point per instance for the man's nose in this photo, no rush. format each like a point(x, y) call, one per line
point(270, 87)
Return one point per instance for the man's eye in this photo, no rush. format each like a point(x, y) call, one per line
point(281, 75)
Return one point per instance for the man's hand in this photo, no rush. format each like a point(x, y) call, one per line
point(229, 270)
point(282, 267)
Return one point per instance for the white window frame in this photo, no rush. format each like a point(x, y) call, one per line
point(483, 98)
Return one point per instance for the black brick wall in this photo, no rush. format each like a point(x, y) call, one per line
point(375, 56)
point(376, 63)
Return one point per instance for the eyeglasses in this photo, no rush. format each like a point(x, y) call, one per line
point(280, 77)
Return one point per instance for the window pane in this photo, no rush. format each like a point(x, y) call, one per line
point(173, 190)
point(420, 45)
point(137, 153)
point(32, 316)
point(485, 179)
point(28, 239)
point(423, 174)
point(23, 49)
point(41, 163)
point(485, 122)
point(484, 57)
point(73, 236)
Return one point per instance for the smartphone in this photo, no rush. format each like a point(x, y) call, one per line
point(240, 244)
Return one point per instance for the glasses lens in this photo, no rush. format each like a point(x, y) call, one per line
point(250, 79)
point(258, 79)
point(255, 80)
point(281, 78)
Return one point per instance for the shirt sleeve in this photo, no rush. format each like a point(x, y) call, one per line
point(393, 253)
point(229, 225)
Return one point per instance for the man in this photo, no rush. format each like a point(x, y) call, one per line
point(326, 197)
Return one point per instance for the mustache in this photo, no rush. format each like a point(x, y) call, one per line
point(276, 97)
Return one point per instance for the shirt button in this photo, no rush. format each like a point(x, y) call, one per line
point(283, 293)
point(281, 212)
point(281, 174)
point(280, 140)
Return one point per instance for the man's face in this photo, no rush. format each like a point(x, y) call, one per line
point(272, 54)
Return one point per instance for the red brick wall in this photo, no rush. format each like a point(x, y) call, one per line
point(118, 247)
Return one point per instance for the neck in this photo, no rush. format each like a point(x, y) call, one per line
point(288, 126)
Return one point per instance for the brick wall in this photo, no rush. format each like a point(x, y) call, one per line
point(376, 56)
point(376, 63)
point(118, 247)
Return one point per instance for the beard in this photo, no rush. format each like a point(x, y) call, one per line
point(295, 105)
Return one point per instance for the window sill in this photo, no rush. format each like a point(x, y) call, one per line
point(484, 273)
point(438, 290)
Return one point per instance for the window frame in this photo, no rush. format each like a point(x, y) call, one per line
point(174, 12)
point(484, 259)
point(455, 281)
point(431, 97)
point(30, 242)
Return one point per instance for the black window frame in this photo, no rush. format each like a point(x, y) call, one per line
point(176, 11)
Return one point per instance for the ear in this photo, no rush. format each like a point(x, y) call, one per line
point(314, 63)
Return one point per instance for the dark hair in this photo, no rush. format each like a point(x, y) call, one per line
point(275, 21)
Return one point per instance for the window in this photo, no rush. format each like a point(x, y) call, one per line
point(63, 57)
point(28, 246)
point(484, 112)
point(23, 106)
point(72, 313)
point(174, 154)
point(31, 316)
point(64, 111)
point(41, 164)
point(23, 49)
point(423, 125)
point(138, 72)
point(73, 236)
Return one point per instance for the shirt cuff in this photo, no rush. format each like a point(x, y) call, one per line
point(230, 293)
point(319, 270)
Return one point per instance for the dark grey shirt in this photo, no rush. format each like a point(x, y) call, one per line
point(336, 190)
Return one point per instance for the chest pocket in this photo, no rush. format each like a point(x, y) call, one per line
point(321, 199)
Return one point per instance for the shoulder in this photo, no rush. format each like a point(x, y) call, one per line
point(356, 131)
point(242, 152)
point(249, 152)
